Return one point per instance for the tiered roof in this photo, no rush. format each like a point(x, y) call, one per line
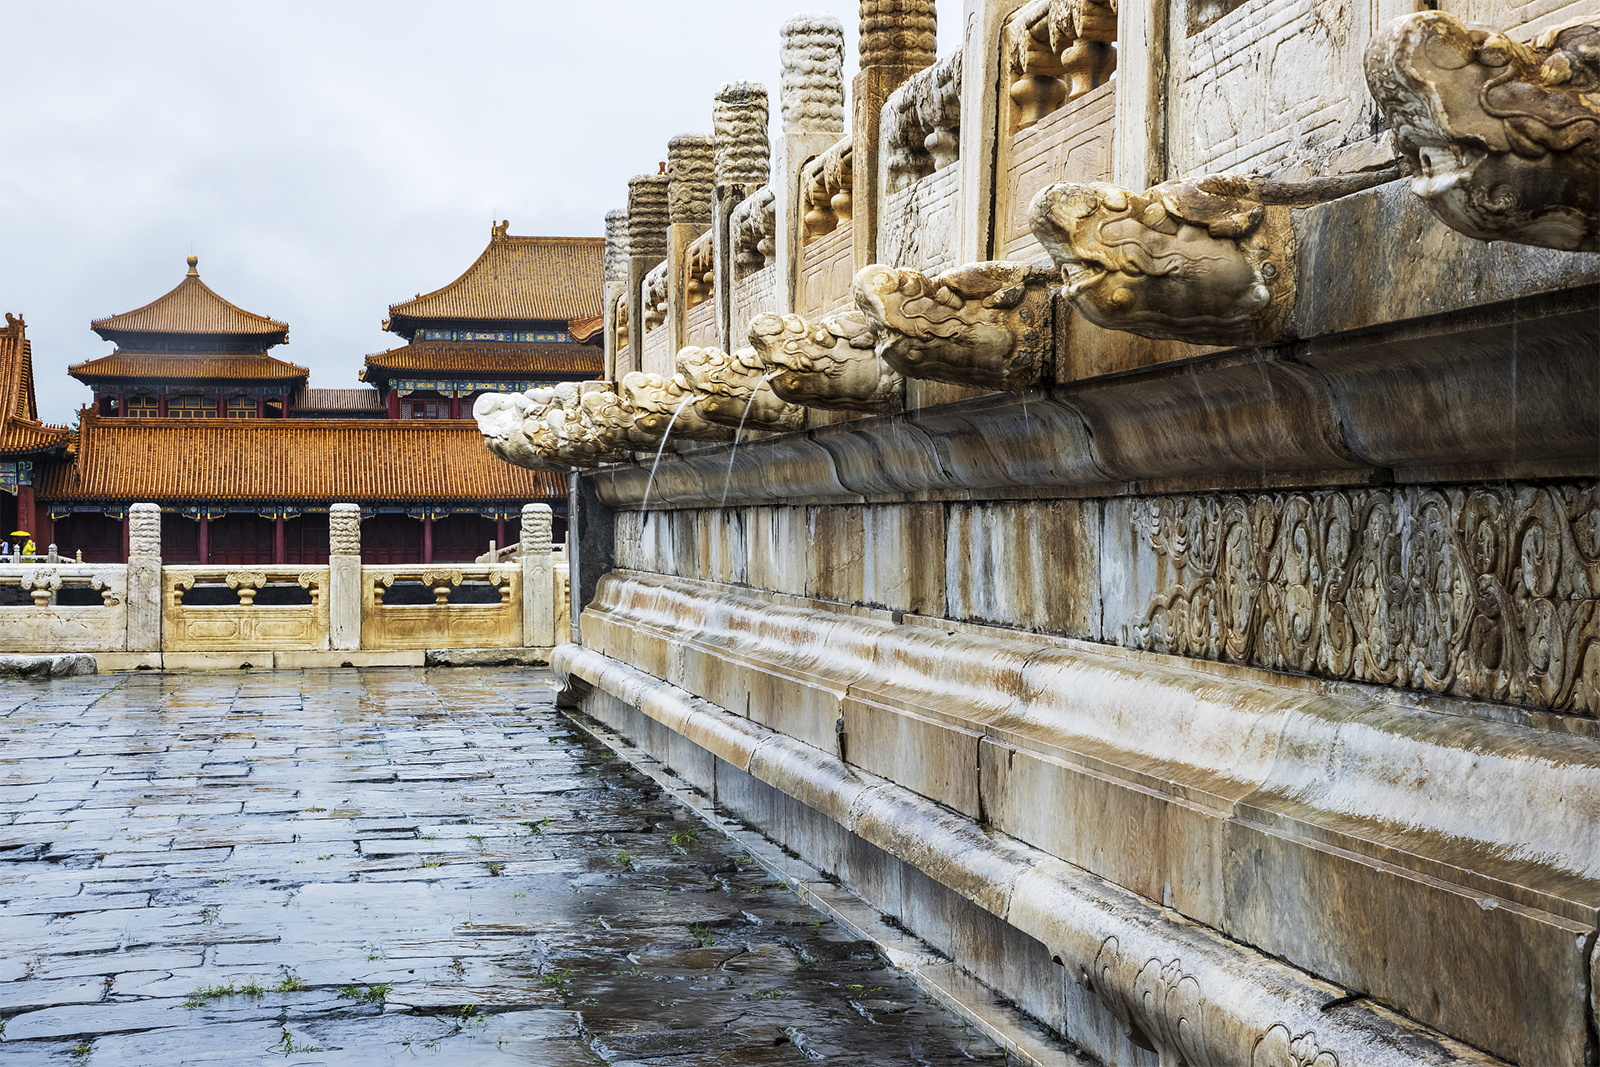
point(163, 366)
point(266, 460)
point(516, 279)
point(498, 359)
point(366, 399)
point(21, 432)
point(191, 308)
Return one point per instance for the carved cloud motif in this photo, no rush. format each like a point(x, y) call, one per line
point(1504, 138)
point(1176, 262)
point(1158, 1004)
point(982, 324)
point(1278, 1047)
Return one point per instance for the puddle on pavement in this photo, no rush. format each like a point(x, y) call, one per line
point(372, 867)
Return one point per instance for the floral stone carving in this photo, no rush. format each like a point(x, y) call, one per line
point(1488, 593)
point(1278, 1047)
point(831, 364)
point(1158, 1004)
point(981, 324)
point(1179, 262)
point(1504, 138)
point(733, 390)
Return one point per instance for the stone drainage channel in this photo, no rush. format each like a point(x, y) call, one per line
point(379, 866)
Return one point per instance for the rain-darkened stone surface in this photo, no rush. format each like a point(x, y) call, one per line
point(367, 867)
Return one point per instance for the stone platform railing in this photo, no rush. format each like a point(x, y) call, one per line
point(146, 613)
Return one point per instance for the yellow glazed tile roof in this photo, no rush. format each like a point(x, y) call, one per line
point(332, 460)
point(193, 308)
point(21, 432)
point(164, 366)
point(519, 279)
point(490, 358)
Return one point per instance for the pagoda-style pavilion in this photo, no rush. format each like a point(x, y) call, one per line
point(28, 447)
point(527, 312)
point(192, 412)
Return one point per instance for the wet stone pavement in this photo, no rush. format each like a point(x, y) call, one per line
point(386, 866)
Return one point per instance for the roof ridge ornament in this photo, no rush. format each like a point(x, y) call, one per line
point(498, 232)
point(194, 265)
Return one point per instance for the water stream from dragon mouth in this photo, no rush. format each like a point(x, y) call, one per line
point(734, 451)
point(644, 505)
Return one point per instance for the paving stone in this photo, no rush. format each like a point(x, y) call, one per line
point(413, 833)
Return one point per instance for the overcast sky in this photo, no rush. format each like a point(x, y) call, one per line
point(327, 158)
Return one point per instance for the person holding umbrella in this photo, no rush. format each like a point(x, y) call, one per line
point(29, 548)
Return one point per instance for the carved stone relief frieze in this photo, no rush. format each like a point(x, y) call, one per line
point(1489, 593)
point(830, 364)
point(1504, 138)
point(986, 325)
point(734, 390)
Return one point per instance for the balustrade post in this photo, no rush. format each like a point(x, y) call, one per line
point(144, 578)
point(538, 590)
point(344, 576)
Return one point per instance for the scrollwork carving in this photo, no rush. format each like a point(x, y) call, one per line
point(1488, 593)
point(344, 530)
point(982, 324)
point(739, 124)
point(655, 297)
point(1158, 1004)
point(144, 530)
point(1279, 1047)
point(754, 224)
point(831, 364)
point(1504, 138)
point(733, 390)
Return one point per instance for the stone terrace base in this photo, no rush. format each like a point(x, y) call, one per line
point(281, 660)
point(1125, 979)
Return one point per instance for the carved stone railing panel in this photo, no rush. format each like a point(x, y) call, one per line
point(985, 325)
point(753, 295)
point(1056, 52)
point(655, 299)
point(1503, 138)
point(699, 274)
point(43, 626)
point(825, 191)
point(733, 390)
point(922, 121)
point(245, 626)
point(445, 623)
point(1075, 144)
point(754, 233)
point(1264, 84)
point(827, 266)
point(830, 364)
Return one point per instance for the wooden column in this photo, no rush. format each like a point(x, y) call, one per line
point(124, 537)
point(261, 406)
point(394, 404)
point(25, 515)
point(427, 539)
point(455, 403)
point(122, 405)
point(161, 405)
point(499, 534)
point(205, 541)
point(280, 542)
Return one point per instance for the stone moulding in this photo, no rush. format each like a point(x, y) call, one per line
point(987, 325)
point(1503, 138)
point(733, 390)
point(1251, 793)
point(1172, 986)
point(830, 364)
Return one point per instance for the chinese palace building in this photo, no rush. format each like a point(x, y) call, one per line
point(193, 412)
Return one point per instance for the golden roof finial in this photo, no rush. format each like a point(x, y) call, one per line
point(498, 232)
point(194, 262)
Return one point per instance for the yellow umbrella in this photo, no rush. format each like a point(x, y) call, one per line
point(20, 533)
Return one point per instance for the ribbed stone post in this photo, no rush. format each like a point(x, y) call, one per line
point(538, 590)
point(344, 576)
point(742, 164)
point(647, 246)
point(144, 578)
point(691, 175)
